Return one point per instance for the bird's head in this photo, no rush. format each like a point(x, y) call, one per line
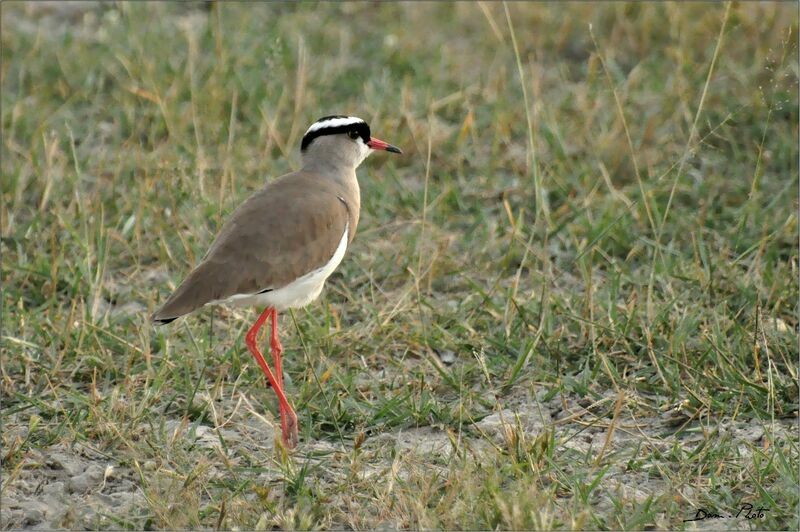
point(340, 140)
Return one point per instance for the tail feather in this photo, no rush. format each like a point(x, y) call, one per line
point(204, 284)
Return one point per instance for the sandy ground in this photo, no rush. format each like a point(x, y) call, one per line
point(76, 486)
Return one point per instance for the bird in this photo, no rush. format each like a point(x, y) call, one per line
point(277, 249)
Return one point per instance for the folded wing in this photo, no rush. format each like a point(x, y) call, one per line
point(288, 229)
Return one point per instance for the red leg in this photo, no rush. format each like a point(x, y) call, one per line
point(288, 416)
point(250, 340)
point(277, 348)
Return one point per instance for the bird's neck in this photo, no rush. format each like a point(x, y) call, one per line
point(338, 169)
point(343, 174)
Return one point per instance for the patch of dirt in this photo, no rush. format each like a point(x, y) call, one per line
point(63, 487)
point(580, 428)
point(75, 486)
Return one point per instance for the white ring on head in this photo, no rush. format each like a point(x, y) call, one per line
point(334, 122)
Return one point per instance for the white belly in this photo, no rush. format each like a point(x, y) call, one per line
point(299, 292)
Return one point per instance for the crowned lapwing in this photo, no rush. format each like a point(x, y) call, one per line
point(278, 248)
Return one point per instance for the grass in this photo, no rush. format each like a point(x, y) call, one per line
point(575, 313)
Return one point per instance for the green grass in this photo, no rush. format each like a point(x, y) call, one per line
point(614, 269)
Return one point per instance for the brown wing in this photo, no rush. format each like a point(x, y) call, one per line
point(289, 228)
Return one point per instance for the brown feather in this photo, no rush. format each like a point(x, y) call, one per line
point(289, 228)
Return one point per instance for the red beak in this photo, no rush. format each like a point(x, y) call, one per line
point(377, 144)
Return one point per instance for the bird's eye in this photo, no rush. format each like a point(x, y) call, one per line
point(353, 134)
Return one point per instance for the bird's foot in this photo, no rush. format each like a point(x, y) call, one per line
point(289, 429)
